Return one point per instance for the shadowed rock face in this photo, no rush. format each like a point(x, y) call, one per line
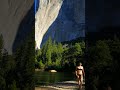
point(70, 23)
point(12, 13)
point(47, 13)
point(101, 14)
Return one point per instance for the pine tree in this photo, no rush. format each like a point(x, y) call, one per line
point(59, 55)
point(2, 79)
point(1, 47)
point(25, 64)
point(77, 49)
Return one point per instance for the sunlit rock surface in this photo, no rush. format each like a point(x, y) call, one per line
point(12, 13)
point(47, 13)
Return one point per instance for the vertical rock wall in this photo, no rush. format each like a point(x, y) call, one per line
point(12, 13)
point(47, 13)
point(70, 23)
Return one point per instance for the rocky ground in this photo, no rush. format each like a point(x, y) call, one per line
point(67, 85)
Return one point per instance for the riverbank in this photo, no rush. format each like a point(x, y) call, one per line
point(67, 85)
point(44, 88)
point(39, 70)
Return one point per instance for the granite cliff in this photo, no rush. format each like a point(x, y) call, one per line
point(47, 13)
point(13, 20)
point(70, 23)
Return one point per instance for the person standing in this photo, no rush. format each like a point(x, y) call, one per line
point(80, 73)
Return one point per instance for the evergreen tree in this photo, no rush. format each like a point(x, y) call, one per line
point(7, 65)
point(2, 79)
point(1, 47)
point(82, 44)
point(25, 64)
point(77, 49)
point(59, 55)
point(48, 57)
point(54, 52)
point(55, 55)
point(99, 62)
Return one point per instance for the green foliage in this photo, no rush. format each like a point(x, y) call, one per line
point(1, 42)
point(41, 65)
point(7, 65)
point(82, 44)
point(54, 55)
point(2, 83)
point(100, 57)
point(2, 72)
point(13, 86)
point(104, 53)
point(25, 64)
point(17, 70)
point(48, 57)
point(104, 63)
point(1, 46)
point(77, 49)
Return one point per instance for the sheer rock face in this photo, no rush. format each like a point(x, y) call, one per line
point(70, 23)
point(47, 13)
point(12, 13)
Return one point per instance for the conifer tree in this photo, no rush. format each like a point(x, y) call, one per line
point(2, 79)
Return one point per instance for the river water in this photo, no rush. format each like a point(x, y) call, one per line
point(47, 78)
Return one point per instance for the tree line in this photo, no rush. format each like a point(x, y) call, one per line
point(17, 70)
point(102, 65)
point(58, 56)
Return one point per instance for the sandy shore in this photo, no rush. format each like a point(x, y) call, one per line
point(67, 85)
point(44, 88)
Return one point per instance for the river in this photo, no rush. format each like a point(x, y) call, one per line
point(47, 78)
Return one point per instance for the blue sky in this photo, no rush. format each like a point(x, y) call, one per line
point(36, 5)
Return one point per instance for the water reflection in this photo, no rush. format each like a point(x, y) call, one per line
point(46, 78)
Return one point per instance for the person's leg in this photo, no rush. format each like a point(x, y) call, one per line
point(78, 79)
point(80, 83)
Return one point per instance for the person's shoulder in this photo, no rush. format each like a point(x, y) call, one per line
point(81, 67)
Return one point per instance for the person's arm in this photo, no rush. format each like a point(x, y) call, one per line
point(76, 71)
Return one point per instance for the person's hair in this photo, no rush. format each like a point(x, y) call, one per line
point(80, 63)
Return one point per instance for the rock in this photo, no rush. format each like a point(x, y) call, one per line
point(47, 13)
point(70, 23)
point(52, 71)
point(11, 17)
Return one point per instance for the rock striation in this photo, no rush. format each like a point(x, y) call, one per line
point(47, 13)
point(70, 23)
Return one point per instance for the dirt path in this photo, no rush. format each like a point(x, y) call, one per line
point(67, 85)
point(44, 88)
